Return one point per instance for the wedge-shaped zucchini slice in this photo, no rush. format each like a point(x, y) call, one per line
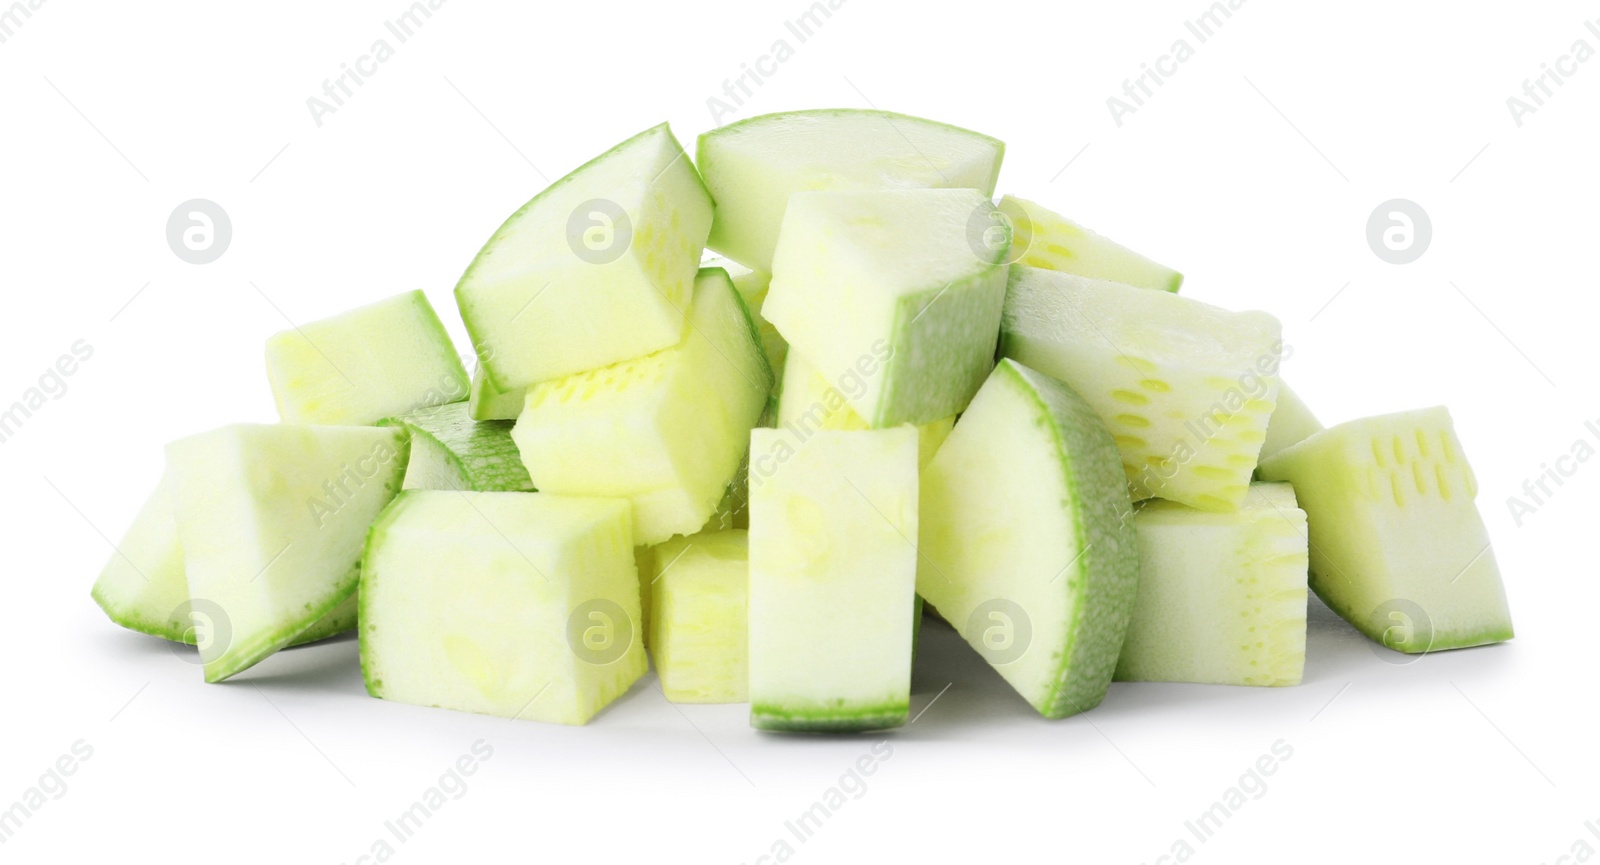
point(1398, 547)
point(895, 291)
point(1042, 238)
point(1186, 388)
point(144, 588)
point(596, 269)
point(1028, 545)
point(271, 519)
point(753, 166)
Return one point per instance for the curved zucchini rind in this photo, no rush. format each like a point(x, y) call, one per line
point(241, 655)
point(144, 587)
point(466, 454)
point(138, 621)
point(780, 719)
point(514, 349)
point(1109, 564)
point(749, 214)
point(339, 620)
point(1062, 550)
point(920, 343)
point(251, 545)
point(925, 301)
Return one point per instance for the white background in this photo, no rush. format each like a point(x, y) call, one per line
point(1253, 169)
